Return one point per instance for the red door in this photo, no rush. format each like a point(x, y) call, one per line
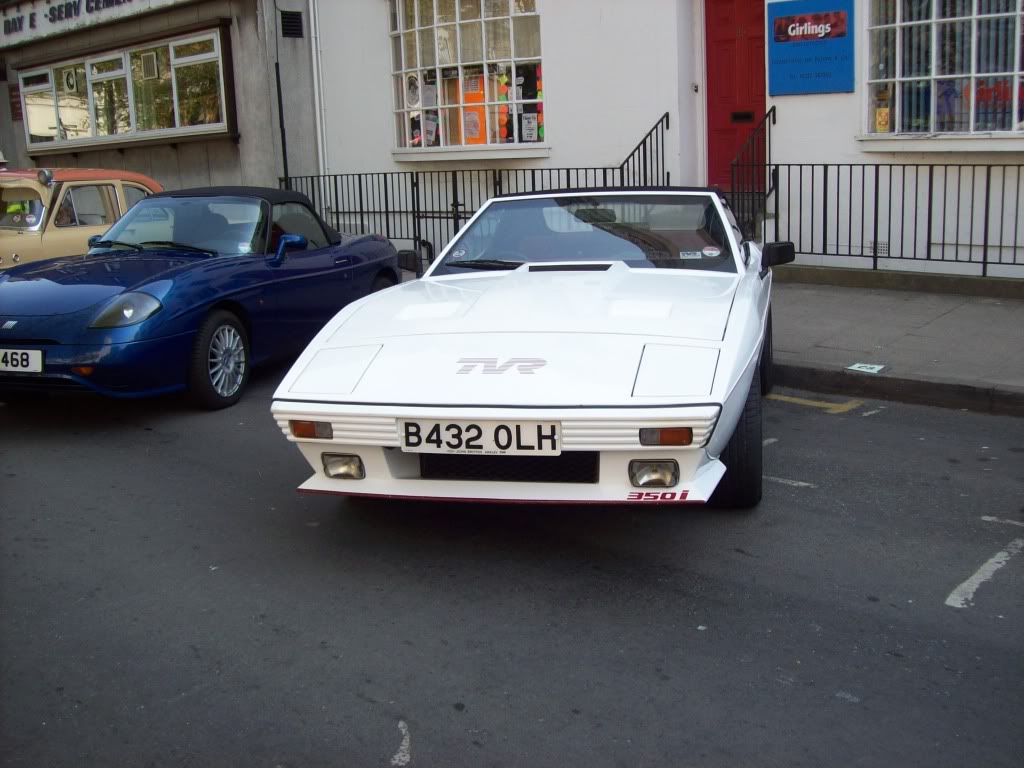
point(736, 92)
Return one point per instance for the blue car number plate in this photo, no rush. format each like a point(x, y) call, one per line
point(21, 360)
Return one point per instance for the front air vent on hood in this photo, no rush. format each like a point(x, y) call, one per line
point(577, 267)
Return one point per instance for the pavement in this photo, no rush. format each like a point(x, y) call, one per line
point(939, 349)
point(167, 599)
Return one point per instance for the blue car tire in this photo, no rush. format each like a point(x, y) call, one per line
point(221, 361)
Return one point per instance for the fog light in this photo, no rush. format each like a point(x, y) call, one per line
point(342, 466)
point(654, 474)
point(669, 436)
point(312, 430)
point(83, 370)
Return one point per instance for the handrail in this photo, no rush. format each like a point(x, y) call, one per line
point(646, 163)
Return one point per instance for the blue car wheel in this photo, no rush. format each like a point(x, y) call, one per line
point(220, 361)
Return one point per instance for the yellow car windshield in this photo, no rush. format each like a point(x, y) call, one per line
point(20, 208)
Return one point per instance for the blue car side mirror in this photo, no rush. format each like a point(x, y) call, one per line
point(288, 243)
point(93, 239)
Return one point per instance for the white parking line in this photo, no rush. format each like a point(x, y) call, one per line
point(872, 413)
point(402, 756)
point(990, 519)
point(769, 441)
point(794, 483)
point(962, 596)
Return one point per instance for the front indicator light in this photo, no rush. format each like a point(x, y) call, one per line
point(312, 430)
point(342, 466)
point(654, 474)
point(669, 436)
point(83, 370)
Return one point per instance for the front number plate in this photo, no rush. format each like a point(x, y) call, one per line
point(21, 360)
point(489, 438)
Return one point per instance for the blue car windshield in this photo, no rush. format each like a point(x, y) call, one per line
point(218, 225)
point(645, 231)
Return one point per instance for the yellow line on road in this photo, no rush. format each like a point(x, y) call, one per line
point(824, 405)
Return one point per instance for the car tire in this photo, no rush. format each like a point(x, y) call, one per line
point(213, 383)
point(380, 282)
point(767, 364)
point(740, 488)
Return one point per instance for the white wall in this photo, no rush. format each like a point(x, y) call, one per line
point(829, 129)
point(611, 69)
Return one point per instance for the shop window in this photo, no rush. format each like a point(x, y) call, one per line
point(466, 73)
point(168, 88)
point(945, 66)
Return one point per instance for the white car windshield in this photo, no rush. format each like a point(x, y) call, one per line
point(215, 225)
point(670, 231)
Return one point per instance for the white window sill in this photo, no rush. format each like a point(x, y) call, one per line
point(937, 142)
point(496, 152)
point(126, 141)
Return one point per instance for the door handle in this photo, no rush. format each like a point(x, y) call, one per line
point(340, 261)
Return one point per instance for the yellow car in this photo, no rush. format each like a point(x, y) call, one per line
point(47, 213)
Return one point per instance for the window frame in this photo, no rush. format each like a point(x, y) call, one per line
point(220, 54)
point(897, 78)
point(401, 115)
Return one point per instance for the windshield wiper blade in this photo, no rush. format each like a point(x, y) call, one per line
point(108, 243)
point(484, 263)
point(181, 246)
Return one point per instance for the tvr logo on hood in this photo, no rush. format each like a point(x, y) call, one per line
point(490, 365)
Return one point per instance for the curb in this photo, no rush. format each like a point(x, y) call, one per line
point(917, 391)
point(924, 282)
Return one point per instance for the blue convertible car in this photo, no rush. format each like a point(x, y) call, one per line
point(188, 290)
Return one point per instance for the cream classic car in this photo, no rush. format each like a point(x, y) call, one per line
point(49, 213)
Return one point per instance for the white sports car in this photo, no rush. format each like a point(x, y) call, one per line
point(565, 347)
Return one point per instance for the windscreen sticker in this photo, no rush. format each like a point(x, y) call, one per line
point(30, 218)
point(710, 251)
point(689, 255)
point(17, 218)
point(458, 254)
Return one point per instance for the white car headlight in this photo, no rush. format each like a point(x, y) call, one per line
point(127, 309)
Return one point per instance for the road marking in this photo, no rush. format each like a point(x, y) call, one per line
point(990, 519)
point(825, 405)
point(963, 596)
point(402, 756)
point(769, 441)
point(794, 483)
point(872, 413)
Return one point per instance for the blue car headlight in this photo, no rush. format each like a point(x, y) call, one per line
point(127, 309)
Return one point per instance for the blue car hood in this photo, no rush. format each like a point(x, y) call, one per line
point(62, 286)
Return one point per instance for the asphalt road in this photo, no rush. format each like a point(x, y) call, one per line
point(167, 599)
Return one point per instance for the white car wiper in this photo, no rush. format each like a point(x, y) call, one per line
point(484, 264)
point(109, 243)
point(182, 246)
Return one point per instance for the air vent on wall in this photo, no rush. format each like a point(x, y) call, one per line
point(291, 24)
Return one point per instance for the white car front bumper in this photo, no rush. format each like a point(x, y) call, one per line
point(597, 445)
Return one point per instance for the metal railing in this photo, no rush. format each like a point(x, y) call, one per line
point(752, 177)
point(427, 208)
point(968, 215)
point(645, 165)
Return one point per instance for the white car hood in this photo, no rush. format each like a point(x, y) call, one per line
point(523, 338)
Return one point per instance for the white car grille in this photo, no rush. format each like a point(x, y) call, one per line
point(583, 434)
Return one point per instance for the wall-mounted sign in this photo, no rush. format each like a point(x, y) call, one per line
point(14, 92)
point(34, 19)
point(810, 47)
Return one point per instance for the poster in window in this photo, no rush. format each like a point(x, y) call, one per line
point(529, 127)
point(810, 47)
point(430, 129)
point(471, 125)
point(412, 91)
point(429, 95)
